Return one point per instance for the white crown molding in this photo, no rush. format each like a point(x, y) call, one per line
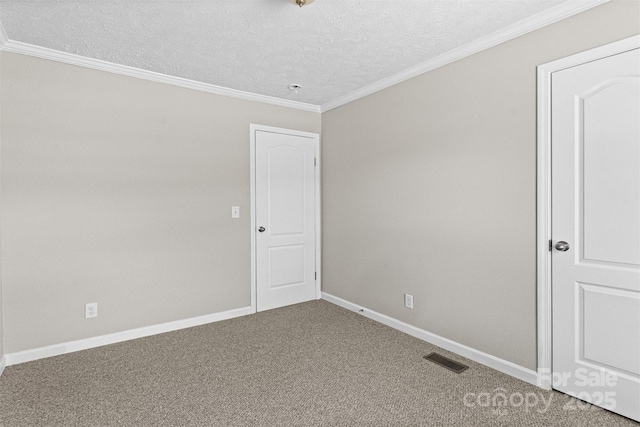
point(550, 16)
point(87, 343)
point(69, 58)
point(486, 359)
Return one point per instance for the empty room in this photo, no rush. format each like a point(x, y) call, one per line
point(319, 212)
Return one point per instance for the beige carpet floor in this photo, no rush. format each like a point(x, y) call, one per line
point(311, 364)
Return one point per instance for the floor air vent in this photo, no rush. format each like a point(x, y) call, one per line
point(451, 365)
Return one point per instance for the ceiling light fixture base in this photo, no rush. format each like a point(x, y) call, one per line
point(301, 2)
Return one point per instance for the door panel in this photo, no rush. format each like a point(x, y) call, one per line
point(286, 187)
point(602, 309)
point(595, 127)
point(286, 209)
point(610, 148)
point(286, 266)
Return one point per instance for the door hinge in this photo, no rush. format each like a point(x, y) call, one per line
point(315, 161)
point(550, 245)
point(315, 276)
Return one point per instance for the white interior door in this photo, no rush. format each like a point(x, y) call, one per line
point(285, 217)
point(595, 156)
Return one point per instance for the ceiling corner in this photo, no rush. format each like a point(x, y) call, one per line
point(110, 67)
point(535, 22)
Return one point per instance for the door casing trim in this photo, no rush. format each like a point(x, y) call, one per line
point(544, 320)
point(252, 150)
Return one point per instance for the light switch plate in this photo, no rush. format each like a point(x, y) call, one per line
point(235, 211)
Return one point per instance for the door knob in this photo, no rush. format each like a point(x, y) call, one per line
point(261, 229)
point(562, 246)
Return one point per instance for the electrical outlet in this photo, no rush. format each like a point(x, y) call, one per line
point(408, 301)
point(91, 310)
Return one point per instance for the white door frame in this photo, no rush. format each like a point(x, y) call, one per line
point(544, 192)
point(252, 150)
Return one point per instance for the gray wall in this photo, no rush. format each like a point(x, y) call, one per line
point(119, 191)
point(1, 304)
point(429, 188)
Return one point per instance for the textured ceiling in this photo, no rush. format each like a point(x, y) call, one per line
point(331, 47)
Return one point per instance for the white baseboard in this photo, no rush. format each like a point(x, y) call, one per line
point(496, 363)
point(486, 359)
point(84, 344)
